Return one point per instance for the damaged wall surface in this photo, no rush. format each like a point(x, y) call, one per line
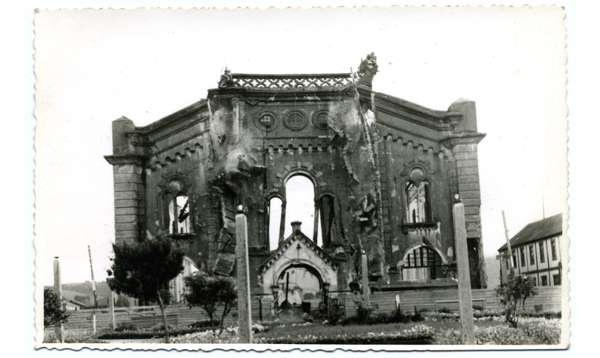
point(384, 171)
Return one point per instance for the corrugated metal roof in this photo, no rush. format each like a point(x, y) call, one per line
point(536, 230)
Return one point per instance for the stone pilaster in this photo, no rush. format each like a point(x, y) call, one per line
point(129, 187)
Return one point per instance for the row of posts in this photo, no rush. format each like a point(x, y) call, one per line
point(244, 308)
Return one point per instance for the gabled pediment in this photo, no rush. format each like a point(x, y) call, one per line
point(299, 246)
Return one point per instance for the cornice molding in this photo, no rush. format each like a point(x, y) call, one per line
point(126, 159)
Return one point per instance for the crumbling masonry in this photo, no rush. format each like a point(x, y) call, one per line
point(385, 172)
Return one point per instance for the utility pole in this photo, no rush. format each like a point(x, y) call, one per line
point(510, 255)
point(93, 282)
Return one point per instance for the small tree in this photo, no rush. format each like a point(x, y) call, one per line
point(512, 293)
point(142, 270)
point(210, 292)
point(54, 313)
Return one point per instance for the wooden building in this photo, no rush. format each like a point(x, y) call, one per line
point(536, 252)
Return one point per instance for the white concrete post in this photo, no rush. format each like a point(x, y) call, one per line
point(243, 278)
point(59, 330)
point(464, 276)
point(111, 305)
point(365, 280)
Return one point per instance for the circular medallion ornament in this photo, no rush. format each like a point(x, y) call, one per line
point(266, 121)
point(295, 120)
point(417, 174)
point(175, 185)
point(320, 119)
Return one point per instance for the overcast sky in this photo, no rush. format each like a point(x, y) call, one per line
point(93, 67)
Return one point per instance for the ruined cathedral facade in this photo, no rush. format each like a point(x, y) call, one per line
point(385, 173)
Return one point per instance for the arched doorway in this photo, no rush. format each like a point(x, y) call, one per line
point(299, 283)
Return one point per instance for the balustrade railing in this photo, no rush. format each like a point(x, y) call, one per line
point(286, 81)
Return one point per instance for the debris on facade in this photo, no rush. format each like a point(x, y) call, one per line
point(384, 171)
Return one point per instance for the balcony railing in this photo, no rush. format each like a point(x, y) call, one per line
point(294, 81)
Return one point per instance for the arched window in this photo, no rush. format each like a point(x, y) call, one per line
point(300, 206)
point(418, 206)
point(422, 263)
point(177, 210)
point(275, 205)
point(326, 216)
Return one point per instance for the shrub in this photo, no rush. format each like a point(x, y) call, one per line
point(396, 316)
point(335, 313)
point(143, 269)
point(204, 324)
point(363, 311)
point(417, 317)
point(211, 292)
point(514, 293)
point(54, 313)
point(125, 326)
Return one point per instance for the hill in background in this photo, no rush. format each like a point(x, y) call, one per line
point(82, 292)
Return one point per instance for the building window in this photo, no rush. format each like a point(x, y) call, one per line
point(553, 245)
point(535, 281)
point(300, 206)
point(531, 255)
point(327, 219)
point(542, 252)
point(556, 280)
point(514, 259)
point(418, 208)
point(544, 280)
point(422, 263)
point(275, 206)
point(179, 214)
point(523, 262)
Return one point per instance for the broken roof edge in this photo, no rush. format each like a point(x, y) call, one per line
point(438, 114)
point(160, 123)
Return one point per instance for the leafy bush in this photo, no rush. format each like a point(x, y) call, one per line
point(203, 324)
point(336, 312)
point(396, 316)
point(125, 326)
point(363, 310)
point(142, 270)
point(211, 292)
point(54, 313)
point(513, 293)
point(417, 317)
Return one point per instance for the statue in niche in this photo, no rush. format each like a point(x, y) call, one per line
point(367, 70)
